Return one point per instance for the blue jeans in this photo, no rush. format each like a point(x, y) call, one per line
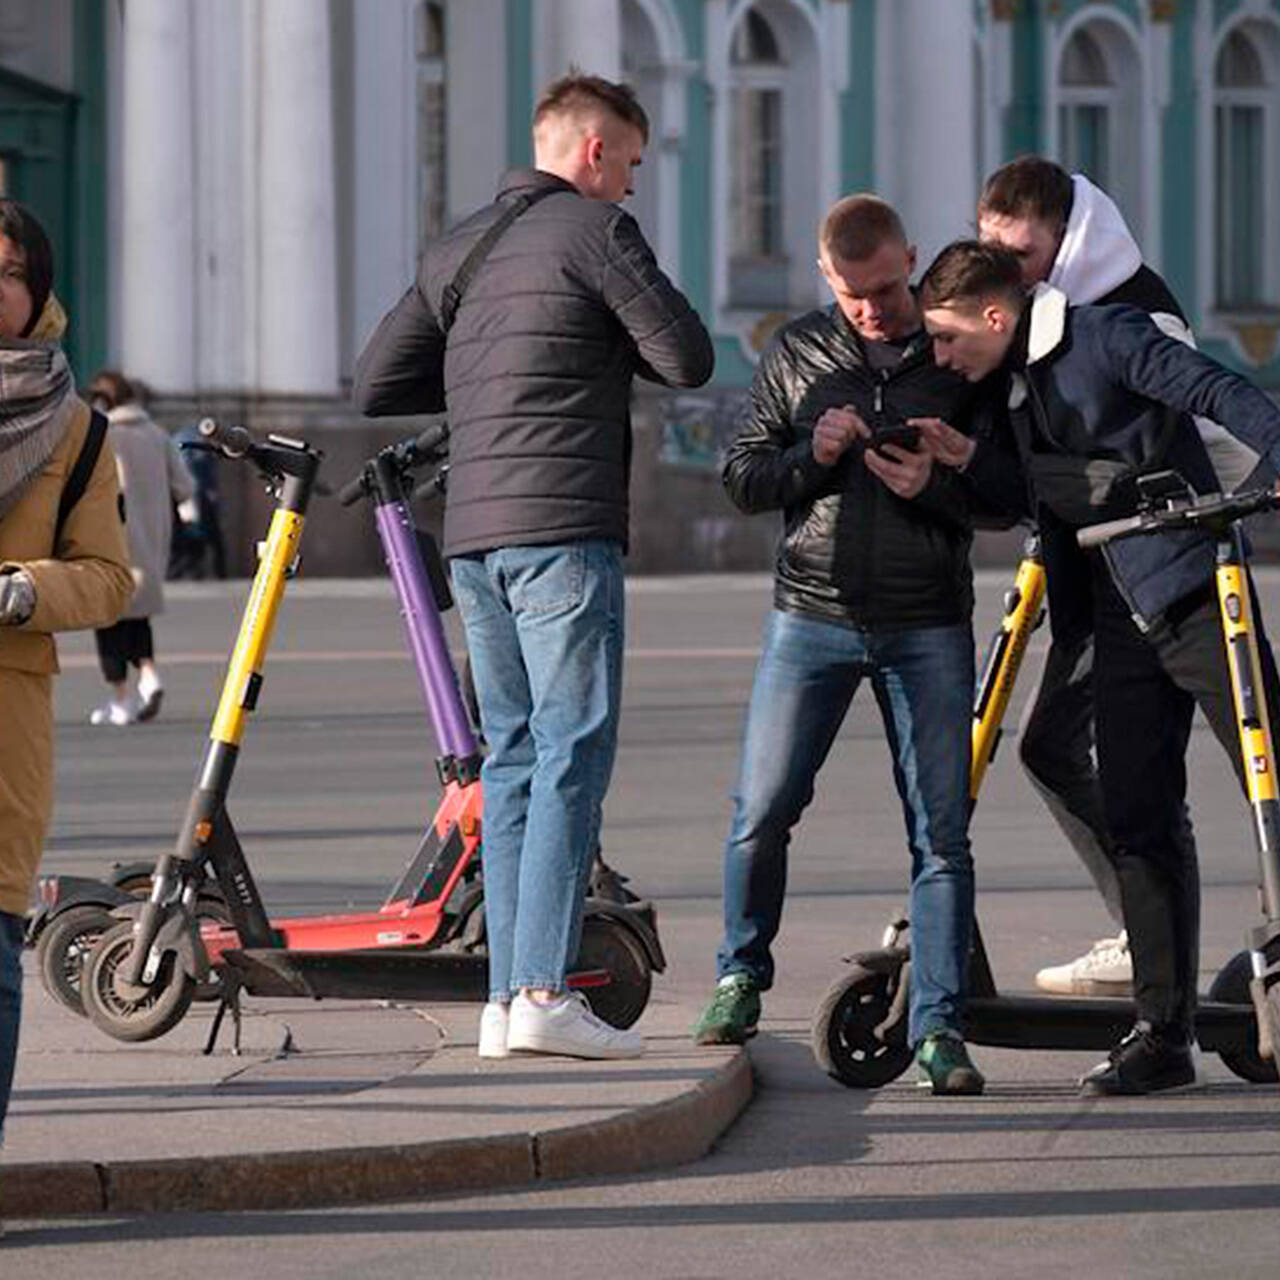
point(808, 673)
point(545, 631)
point(10, 1005)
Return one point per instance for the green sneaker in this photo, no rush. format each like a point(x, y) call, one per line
point(732, 1015)
point(945, 1066)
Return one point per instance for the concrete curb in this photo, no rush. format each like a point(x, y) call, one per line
point(659, 1135)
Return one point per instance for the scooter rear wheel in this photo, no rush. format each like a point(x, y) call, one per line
point(1231, 986)
point(611, 946)
point(163, 1006)
point(856, 1037)
point(64, 948)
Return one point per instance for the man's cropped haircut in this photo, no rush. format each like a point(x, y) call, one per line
point(1028, 187)
point(969, 273)
point(857, 226)
point(577, 95)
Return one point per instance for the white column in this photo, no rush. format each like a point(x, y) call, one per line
point(297, 273)
point(476, 109)
point(929, 90)
point(223, 350)
point(157, 309)
point(586, 34)
point(385, 179)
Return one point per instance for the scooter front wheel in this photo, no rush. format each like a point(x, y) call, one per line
point(1231, 986)
point(160, 1007)
point(611, 946)
point(858, 1038)
point(64, 948)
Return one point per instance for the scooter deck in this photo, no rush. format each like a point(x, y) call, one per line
point(436, 976)
point(1090, 1022)
point(440, 977)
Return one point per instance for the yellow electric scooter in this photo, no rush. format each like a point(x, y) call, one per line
point(860, 1028)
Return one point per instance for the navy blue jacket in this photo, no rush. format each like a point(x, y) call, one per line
point(1099, 378)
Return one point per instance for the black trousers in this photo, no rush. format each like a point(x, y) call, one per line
point(125, 643)
point(1146, 689)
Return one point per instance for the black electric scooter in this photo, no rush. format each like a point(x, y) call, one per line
point(860, 1028)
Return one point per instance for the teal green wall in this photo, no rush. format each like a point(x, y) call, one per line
point(1026, 104)
point(1178, 170)
point(88, 347)
point(858, 102)
point(519, 81)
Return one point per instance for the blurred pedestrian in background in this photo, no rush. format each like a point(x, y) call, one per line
point(198, 545)
point(153, 478)
point(63, 566)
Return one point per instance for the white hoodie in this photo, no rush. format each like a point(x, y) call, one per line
point(1098, 253)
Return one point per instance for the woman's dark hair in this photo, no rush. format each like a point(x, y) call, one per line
point(112, 388)
point(18, 223)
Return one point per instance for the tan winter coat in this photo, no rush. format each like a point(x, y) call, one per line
point(82, 582)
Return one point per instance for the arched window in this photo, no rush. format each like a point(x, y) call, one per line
point(758, 263)
point(1099, 113)
point(1084, 109)
point(429, 53)
point(1244, 169)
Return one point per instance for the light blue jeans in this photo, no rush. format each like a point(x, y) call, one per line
point(545, 631)
point(10, 1005)
point(808, 673)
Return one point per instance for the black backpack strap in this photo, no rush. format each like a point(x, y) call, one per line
point(78, 479)
point(453, 291)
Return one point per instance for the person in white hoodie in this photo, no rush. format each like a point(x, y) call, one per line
point(1068, 232)
point(153, 480)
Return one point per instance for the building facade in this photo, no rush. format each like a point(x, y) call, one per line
point(239, 189)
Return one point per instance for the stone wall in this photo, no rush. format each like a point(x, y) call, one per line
point(681, 519)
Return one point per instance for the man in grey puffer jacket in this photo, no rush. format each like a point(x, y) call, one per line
point(535, 372)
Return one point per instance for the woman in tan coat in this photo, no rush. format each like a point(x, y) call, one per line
point(51, 579)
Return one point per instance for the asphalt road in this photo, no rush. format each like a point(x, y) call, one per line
point(334, 785)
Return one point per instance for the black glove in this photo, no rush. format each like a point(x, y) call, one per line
point(17, 598)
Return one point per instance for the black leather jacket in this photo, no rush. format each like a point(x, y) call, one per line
point(852, 551)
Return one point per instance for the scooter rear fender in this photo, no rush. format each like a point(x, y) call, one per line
point(639, 918)
point(67, 892)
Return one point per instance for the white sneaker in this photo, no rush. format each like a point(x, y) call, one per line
point(493, 1030)
point(112, 713)
point(1106, 969)
point(150, 692)
point(567, 1026)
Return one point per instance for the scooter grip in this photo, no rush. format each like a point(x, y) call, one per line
point(352, 491)
point(235, 442)
point(1094, 535)
point(433, 442)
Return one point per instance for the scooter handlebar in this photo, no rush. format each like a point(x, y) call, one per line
point(234, 442)
point(352, 491)
point(431, 446)
point(1094, 535)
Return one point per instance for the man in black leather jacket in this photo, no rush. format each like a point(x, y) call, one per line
point(872, 579)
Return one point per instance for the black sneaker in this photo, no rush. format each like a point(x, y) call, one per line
point(1145, 1061)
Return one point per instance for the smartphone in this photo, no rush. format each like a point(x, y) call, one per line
point(900, 433)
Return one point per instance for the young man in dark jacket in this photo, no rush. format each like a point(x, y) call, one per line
point(872, 579)
point(1069, 234)
point(567, 307)
point(1095, 383)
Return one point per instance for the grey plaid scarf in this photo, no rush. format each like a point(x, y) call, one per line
point(37, 402)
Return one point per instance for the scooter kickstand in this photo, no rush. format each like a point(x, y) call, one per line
point(230, 1000)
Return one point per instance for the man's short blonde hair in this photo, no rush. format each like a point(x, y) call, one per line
point(857, 226)
point(582, 99)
